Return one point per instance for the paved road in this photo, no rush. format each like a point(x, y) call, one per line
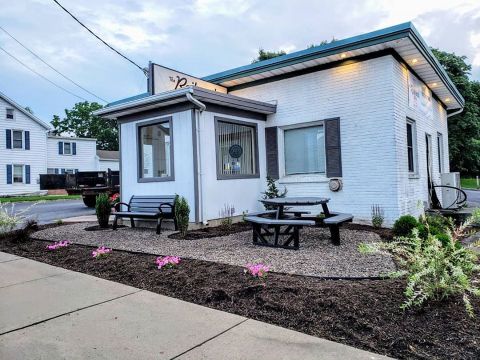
point(473, 197)
point(50, 211)
point(51, 313)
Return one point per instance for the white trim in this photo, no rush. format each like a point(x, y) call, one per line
point(13, 174)
point(415, 173)
point(23, 139)
point(22, 110)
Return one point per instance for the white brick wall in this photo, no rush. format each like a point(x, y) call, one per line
point(371, 99)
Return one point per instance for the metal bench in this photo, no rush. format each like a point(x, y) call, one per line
point(262, 227)
point(157, 207)
point(334, 223)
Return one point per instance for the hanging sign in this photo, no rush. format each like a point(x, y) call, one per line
point(235, 151)
point(164, 79)
point(419, 96)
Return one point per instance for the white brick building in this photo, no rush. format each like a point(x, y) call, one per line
point(359, 110)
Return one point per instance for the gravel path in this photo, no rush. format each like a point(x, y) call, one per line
point(316, 256)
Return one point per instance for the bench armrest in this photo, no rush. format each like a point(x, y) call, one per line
point(117, 206)
point(165, 205)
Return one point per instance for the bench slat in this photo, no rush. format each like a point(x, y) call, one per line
point(337, 219)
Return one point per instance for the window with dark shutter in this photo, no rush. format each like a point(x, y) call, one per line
point(60, 147)
point(27, 174)
point(74, 148)
point(9, 174)
point(333, 148)
point(27, 140)
point(8, 137)
point(271, 144)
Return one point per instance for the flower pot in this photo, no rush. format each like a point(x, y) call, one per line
point(103, 221)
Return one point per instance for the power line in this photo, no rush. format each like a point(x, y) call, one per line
point(145, 72)
point(50, 66)
point(43, 77)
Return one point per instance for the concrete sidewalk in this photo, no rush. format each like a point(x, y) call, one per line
point(52, 313)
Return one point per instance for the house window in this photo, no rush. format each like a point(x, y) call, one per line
point(156, 151)
point(17, 137)
point(237, 153)
point(69, 171)
point(411, 146)
point(10, 114)
point(440, 152)
point(67, 148)
point(17, 174)
point(304, 150)
point(50, 171)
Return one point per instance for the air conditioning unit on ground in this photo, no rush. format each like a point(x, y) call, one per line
point(449, 196)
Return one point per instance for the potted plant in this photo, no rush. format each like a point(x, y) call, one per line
point(103, 209)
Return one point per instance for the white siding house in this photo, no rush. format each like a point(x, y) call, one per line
point(22, 139)
point(71, 154)
point(108, 160)
point(358, 112)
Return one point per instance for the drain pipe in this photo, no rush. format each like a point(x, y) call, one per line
point(455, 113)
point(201, 107)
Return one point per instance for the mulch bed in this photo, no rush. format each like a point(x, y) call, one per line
point(364, 314)
point(210, 232)
point(384, 233)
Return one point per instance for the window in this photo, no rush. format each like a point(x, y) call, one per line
point(156, 151)
point(17, 137)
point(50, 171)
point(69, 171)
point(440, 152)
point(10, 114)
point(67, 148)
point(411, 146)
point(237, 154)
point(304, 150)
point(17, 174)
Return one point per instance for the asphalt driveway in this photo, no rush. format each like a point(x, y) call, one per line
point(49, 211)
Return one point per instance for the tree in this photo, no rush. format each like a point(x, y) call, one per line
point(29, 110)
point(464, 128)
point(80, 122)
point(265, 55)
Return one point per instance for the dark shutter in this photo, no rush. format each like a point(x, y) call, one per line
point(63, 171)
point(27, 140)
point(27, 174)
point(333, 148)
point(74, 148)
point(60, 147)
point(8, 137)
point(9, 174)
point(76, 171)
point(56, 171)
point(271, 145)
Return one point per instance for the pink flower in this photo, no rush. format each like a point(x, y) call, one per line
point(58, 245)
point(167, 261)
point(257, 270)
point(101, 251)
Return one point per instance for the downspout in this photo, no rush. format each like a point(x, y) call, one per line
point(454, 113)
point(196, 126)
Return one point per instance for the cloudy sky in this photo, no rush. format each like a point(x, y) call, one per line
point(198, 37)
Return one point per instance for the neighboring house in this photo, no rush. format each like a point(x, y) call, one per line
point(107, 160)
point(22, 145)
point(67, 155)
point(361, 121)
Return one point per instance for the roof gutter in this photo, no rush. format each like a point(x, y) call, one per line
point(454, 113)
point(199, 104)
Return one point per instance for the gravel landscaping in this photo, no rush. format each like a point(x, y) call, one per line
point(316, 256)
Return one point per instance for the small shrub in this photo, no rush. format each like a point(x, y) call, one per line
point(442, 223)
point(11, 219)
point(103, 209)
point(272, 192)
point(167, 262)
point(436, 267)
point(182, 215)
point(404, 225)
point(226, 215)
point(378, 216)
point(59, 222)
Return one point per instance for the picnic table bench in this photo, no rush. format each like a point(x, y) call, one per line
point(157, 207)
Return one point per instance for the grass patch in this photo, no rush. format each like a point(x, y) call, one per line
point(38, 198)
point(469, 183)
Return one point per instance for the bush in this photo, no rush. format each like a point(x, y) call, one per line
point(103, 209)
point(378, 216)
point(475, 217)
point(404, 225)
point(441, 223)
point(436, 267)
point(272, 192)
point(226, 216)
point(182, 215)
